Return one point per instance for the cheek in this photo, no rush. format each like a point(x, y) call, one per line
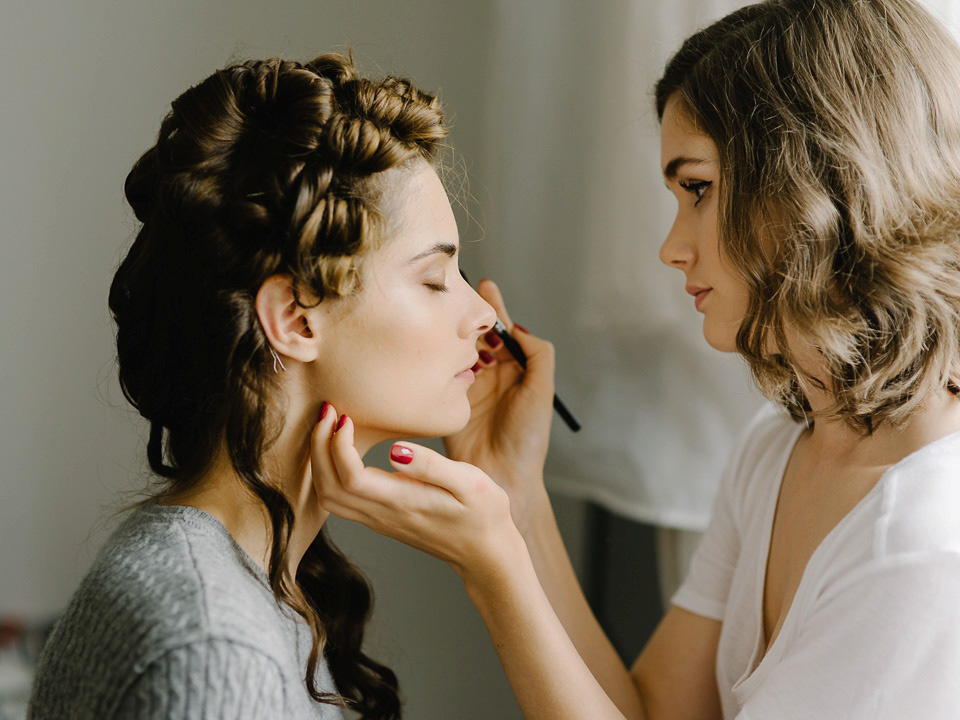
point(398, 379)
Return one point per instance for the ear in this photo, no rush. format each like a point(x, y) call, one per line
point(286, 324)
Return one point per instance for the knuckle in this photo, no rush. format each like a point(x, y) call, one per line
point(322, 483)
point(351, 483)
point(422, 465)
point(430, 465)
point(479, 486)
point(549, 351)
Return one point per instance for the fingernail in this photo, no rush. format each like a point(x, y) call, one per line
point(476, 368)
point(401, 454)
point(486, 357)
point(341, 421)
point(323, 409)
point(521, 328)
point(493, 339)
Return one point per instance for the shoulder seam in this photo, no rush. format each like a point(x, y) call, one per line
point(205, 610)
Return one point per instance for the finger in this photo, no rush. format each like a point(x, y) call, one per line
point(541, 360)
point(431, 468)
point(486, 359)
point(324, 475)
point(493, 340)
point(370, 489)
point(489, 291)
point(346, 459)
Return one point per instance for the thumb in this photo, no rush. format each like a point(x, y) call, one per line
point(541, 360)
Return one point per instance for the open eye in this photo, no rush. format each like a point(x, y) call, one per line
point(697, 188)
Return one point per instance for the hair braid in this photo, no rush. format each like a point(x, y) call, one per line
point(266, 167)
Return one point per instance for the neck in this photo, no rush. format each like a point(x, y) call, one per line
point(834, 439)
point(222, 493)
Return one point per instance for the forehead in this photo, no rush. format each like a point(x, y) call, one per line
point(418, 213)
point(680, 139)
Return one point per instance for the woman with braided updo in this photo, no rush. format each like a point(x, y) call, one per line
point(297, 249)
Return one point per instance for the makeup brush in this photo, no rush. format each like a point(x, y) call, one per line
point(513, 347)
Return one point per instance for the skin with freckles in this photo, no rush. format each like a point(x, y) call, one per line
point(690, 167)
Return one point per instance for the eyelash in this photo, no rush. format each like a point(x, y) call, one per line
point(696, 188)
point(437, 287)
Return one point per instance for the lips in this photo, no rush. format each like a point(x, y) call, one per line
point(699, 293)
point(469, 370)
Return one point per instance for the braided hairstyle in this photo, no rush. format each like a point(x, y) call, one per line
point(265, 167)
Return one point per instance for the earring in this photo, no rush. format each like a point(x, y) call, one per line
point(276, 360)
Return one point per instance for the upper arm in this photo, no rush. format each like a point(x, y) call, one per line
point(676, 670)
point(206, 680)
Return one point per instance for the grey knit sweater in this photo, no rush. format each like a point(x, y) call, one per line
point(175, 621)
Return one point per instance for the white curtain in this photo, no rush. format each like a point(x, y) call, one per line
point(577, 212)
point(947, 11)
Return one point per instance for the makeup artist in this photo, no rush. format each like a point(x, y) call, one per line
point(813, 148)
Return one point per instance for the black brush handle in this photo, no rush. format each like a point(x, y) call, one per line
point(513, 347)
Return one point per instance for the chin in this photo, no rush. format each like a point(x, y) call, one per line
point(723, 338)
point(441, 427)
point(439, 424)
point(454, 420)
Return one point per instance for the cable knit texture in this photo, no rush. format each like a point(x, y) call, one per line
point(175, 621)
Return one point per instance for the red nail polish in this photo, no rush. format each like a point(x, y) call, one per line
point(401, 454)
point(521, 328)
point(323, 409)
point(493, 339)
point(486, 357)
point(341, 421)
point(476, 367)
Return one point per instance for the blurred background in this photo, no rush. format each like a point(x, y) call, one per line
point(559, 198)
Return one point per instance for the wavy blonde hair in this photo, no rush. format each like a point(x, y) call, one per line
point(837, 124)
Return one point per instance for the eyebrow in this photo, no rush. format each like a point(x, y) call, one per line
point(447, 249)
point(670, 171)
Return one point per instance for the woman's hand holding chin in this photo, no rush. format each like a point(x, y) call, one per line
point(451, 510)
point(508, 433)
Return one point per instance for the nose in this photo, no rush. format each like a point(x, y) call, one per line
point(677, 250)
point(481, 316)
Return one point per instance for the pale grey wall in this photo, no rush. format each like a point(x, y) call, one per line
point(83, 88)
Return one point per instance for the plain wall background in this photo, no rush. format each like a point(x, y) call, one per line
point(84, 88)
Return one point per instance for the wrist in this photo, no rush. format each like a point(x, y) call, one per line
point(535, 512)
point(492, 576)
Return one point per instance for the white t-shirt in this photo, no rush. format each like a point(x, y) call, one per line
point(874, 629)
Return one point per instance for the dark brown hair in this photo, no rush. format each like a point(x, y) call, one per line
point(837, 125)
point(265, 167)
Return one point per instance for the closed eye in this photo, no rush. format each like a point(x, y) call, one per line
point(697, 188)
point(437, 287)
